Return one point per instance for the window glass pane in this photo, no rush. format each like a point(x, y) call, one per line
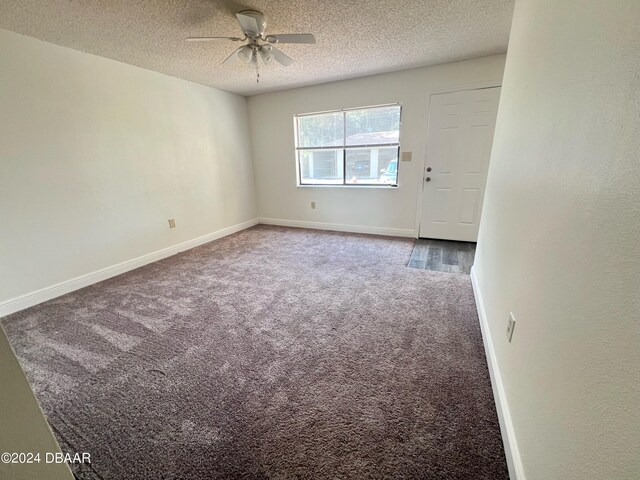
point(372, 165)
point(372, 126)
point(321, 167)
point(322, 130)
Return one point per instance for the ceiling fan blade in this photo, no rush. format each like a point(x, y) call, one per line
point(280, 57)
point(252, 22)
point(207, 39)
point(233, 58)
point(292, 38)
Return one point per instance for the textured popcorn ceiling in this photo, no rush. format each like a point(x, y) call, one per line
point(354, 38)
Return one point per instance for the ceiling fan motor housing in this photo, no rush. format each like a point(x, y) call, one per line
point(260, 23)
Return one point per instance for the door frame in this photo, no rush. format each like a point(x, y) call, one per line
point(423, 162)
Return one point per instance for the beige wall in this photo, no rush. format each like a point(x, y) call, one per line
point(385, 210)
point(559, 238)
point(97, 155)
point(23, 427)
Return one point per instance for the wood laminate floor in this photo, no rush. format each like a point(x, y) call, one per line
point(443, 255)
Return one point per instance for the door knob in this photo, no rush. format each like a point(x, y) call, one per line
point(428, 169)
point(428, 179)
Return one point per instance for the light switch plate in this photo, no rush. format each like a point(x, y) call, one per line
point(406, 156)
point(172, 223)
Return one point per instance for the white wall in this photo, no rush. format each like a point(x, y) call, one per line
point(375, 208)
point(97, 155)
point(559, 238)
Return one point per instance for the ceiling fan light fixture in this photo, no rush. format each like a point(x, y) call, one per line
point(245, 54)
point(265, 54)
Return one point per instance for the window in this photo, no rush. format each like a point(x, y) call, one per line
point(349, 147)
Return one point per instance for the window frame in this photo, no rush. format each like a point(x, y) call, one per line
point(344, 147)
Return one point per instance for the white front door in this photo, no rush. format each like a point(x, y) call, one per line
point(459, 140)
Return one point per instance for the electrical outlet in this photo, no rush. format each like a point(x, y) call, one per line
point(313, 205)
point(172, 223)
point(406, 156)
point(510, 326)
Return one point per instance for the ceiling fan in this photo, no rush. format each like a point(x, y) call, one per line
point(258, 44)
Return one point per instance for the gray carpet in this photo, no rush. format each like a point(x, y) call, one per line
point(271, 353)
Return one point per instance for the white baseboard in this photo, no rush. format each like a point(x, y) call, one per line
point(33, 298)
point(514, 463)
point(338, 227)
